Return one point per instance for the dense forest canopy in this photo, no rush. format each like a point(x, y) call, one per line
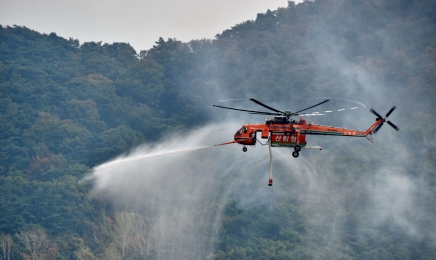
point(66, 107)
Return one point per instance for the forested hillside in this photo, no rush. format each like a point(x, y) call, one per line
point(66, 107)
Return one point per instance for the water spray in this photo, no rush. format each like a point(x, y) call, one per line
point(149, 156)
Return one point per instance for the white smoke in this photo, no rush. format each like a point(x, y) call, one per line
point(184, 194)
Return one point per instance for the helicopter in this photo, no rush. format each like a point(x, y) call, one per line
point(284, 131)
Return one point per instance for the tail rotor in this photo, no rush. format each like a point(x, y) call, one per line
point(384, 120)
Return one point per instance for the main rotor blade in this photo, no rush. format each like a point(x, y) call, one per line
point(310, 115)
point(270, 108)
point(390, 111)
point(250, 111)
point(266, 113)
point(375, 113)
point(295, 113)
point(392, 124)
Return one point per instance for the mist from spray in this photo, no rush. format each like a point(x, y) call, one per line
point(180, 186)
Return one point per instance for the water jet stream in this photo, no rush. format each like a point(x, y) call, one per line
point(149, 156)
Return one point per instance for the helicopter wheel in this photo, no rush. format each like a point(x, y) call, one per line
point(297, 148)
point(295, 154)
point(244, 149)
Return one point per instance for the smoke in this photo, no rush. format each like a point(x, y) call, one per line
point(352, 190)
point(393, 198)
point(387, 194)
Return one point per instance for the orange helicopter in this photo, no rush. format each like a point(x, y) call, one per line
point(283, 131)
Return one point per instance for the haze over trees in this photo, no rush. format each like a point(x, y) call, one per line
point(67, 106)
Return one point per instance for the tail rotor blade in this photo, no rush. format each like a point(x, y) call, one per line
point(383, 120)
point(378, 128)
point(375, 113)
point(390, 111)
point(392, 124)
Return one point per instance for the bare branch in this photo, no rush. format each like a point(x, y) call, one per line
point(37, 243)
point(6, 246)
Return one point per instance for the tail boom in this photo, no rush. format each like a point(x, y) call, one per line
point(370, 130)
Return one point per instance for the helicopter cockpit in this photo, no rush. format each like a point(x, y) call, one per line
point(244, 129)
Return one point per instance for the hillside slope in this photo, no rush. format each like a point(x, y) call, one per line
point(66, 107)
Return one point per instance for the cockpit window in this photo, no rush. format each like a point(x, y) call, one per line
point(239, 132)
point(245, 129)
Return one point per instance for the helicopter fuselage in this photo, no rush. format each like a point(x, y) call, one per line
point(292, 133)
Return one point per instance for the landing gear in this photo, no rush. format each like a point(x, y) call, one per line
point(295, 154)
point(244, 149)
point(297, 148)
